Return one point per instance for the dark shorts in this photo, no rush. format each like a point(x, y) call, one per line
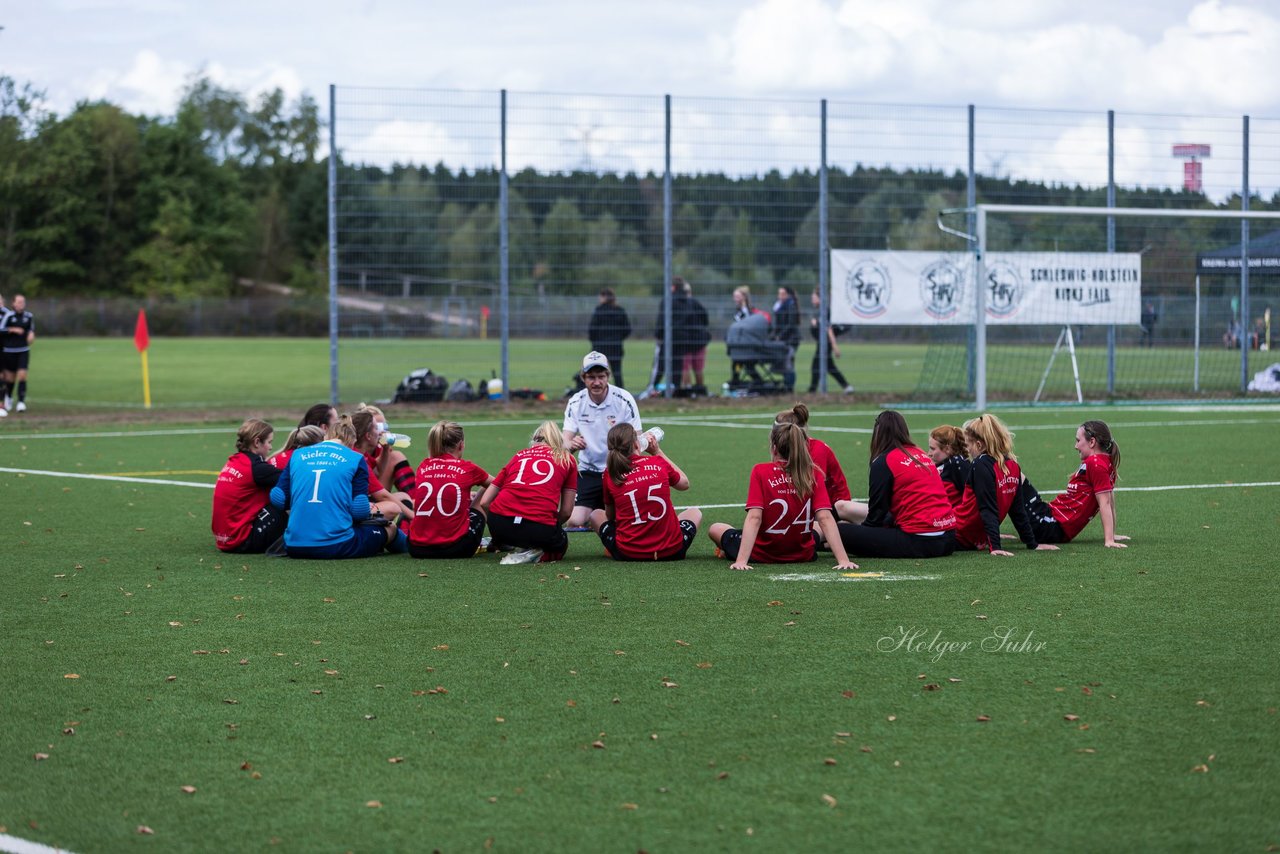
point(527, 535)
point(865, 541)
point(14, 362)
point(590, 490)
point(365, 541)
point(268, 528)
point(609, 536)
point(731, 545)
point(464, 546)
point(1043, 523)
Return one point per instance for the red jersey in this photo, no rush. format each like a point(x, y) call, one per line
point(237, 498)
point(281, 460)
point(371, 460)
point(644, 517)
point(1079, 503)
point(988, 497)
point(905, 483)
point(832, 475)
point(954, 471)
point(441, 497)
point(531, 485)
point(786, 527)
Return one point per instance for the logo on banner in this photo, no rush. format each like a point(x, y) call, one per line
point(868, 288)
point(941, 287)
point(1004, 289)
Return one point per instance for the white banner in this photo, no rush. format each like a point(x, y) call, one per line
point(931, 288)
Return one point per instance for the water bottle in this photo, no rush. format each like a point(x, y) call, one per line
point(399, 441)
point(655, 433)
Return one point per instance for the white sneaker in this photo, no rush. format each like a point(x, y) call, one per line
point(526, 556)
point(4, 413)
point(848, 389)
point(8, 402)
point(22, 406)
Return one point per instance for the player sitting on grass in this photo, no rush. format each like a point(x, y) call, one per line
point(243, 519)
point(991, 492)
point(947, 450)
point(842, 503)
point(447, 521)
point(390, 465)
point(326, 491)
point(1088, 493)
point(638, 521)
point(531, 498)
point(785, 498)
point(299, 437)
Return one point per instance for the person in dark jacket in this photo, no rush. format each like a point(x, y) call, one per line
point(680, 344)
point(697, 335)
point(609, 327)
point(786, 328)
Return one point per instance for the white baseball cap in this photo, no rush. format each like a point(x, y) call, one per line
point(594, 359)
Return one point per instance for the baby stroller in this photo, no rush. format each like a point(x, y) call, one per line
point(758, 362)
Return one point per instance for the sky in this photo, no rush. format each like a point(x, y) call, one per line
point(1169, 57)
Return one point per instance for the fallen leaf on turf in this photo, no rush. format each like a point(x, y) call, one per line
point(501, 720)
point(40, 757)
point(891, 718)
point(146, 831)
point(848, 695)
point(1204, 704)
point(667, 683)
point(630, 807)
point(330, 601)
point(441, 647)
point(828, 800)
point(653, 736)
point(1200, 769)
point(244, 661)
point(953, 679)
point(703, 665)
point(570, 703)
point(723, 775)
point(69, 731)
point(331, 673)
point(829, 761)
point(199, 652)
point(1086, 690)
point(1086, 750)
point(373, 804)
point(231, 702)
point(175, 623)
point(598, 745)
point(71, 676)
point(774, 603)
point(681, 643)
point(190, 790)
point(865, 748)
point(317, 691)
point(981, 616)
point(395, 760)
point(789, 623)
point(984, 718)
point(933, 686)
point(1071, 717)
point(844, 735)
point(618, 652)
point(170, 678)
point(246, 766)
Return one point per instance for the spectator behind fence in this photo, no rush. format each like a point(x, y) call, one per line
point(609, 327)
point(697, 334)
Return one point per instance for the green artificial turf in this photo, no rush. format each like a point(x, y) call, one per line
point(733, 711)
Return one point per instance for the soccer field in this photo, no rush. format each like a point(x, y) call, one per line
point(1076, 700)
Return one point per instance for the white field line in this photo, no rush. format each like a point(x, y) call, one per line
point(14, 845)
point(111, 477)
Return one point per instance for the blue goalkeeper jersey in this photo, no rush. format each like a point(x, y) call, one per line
point(325, 488)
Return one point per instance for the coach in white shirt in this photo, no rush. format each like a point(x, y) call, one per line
point(587, 421)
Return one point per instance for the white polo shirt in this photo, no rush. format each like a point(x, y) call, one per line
point(592, 421)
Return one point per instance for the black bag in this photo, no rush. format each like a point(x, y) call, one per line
point(461, 392)
point(421, 386)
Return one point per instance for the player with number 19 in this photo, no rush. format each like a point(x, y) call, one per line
point(786, 500)
point(532, 497)
point(447, 521)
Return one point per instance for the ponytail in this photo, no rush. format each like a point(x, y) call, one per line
point(790, 442)
point(443, 436)
point(797, 415)
point(1101, 433)
point(549, 434)
point(621, 443)
point(305, 436)
point(995, 438)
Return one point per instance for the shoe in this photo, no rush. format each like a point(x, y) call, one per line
point(485, 546)
point(526, 556)
point(4, 413)
point(22, 406)
point(550, 557)
point(848, 389)
point(8, 402)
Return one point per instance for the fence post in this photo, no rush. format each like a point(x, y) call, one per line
point(333, 245)
point(668, 367)
point(1111, 243)
point(971, 199)
point(824, 259)
point(1244, 264)
point(504, 257)
point(980, 322)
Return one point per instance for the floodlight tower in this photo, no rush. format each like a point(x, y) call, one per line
point(1191, 152)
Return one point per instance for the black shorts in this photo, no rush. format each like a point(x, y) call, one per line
point(268, 528)
point(523, 534)
point(464, 546)
point(1043, 523)
point(590, 490)
point(14, 362)
point(867, 541)
point(609, 536)
point(731, 545)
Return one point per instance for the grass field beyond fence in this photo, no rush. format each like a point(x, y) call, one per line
point(1088, 699)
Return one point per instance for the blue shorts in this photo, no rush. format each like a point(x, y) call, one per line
point(365, 541)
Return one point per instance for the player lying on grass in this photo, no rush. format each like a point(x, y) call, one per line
point(909, 515)
point(447, 521)
point(326, 491)
point(531, 498)
point(639, 521)
point(991, 490)
point(243, 519)
point(1089, 492)
point(786, 497)
point(842, 503)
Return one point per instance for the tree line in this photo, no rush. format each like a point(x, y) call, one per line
point(232, 189)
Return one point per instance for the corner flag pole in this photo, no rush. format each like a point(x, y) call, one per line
point(142, 341)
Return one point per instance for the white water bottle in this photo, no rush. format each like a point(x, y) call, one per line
point(654, 433)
